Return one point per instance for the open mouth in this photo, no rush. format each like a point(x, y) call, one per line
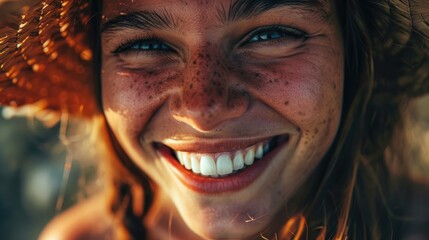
point(225, 163)
point(215, 169)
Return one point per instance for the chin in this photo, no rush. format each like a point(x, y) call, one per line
point(229, 222)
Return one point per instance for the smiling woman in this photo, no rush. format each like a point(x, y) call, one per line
point(190, 99)
point(231, 119)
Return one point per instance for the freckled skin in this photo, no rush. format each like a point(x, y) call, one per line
point(215, 87)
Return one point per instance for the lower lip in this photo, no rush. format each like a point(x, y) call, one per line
point(231, 183)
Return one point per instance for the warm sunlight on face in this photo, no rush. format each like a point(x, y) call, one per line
point(228, 106)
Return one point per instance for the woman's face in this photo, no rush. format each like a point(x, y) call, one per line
point(228, 105)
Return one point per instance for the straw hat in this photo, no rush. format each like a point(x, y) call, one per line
point(46, 57)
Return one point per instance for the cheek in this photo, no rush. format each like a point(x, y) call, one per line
point(304, 92)
point(307, 91)
point(134, 96)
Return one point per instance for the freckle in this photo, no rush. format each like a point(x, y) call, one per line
point(257, 74)
point(286, 103)
point(194, 62)
point(306, 142)
point(316, 131)
point(301, 113)
point(210, 104)
point(286, 83)
point(177, 103)
point(191, 86)
point(171, 77)
point(324, 122)
point(150, 97)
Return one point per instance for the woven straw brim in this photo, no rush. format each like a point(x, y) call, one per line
point(45, 55)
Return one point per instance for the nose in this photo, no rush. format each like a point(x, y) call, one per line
point(209, 95)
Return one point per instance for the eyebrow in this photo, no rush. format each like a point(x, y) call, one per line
point(246, 9)
point(238, 10)
point(143, 20)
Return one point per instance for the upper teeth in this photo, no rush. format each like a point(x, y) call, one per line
point(221, 164)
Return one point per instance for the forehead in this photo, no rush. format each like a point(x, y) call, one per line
point(223, 10)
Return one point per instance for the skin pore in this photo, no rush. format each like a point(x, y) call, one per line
point(215, 78)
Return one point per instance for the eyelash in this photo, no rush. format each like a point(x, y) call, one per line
point(143, 45)
point(266, 34)
point(273, 33)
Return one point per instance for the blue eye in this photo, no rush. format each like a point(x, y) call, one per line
point(149, 45)
point(262, 35)
point(143, 45)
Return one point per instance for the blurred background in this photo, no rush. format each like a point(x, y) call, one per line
point(35, 176)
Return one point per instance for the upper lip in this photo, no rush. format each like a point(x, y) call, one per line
point(258, 125)
point(208, 145)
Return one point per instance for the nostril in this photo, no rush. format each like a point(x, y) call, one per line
point(238, 100)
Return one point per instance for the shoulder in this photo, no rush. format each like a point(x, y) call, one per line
point(88, 220)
